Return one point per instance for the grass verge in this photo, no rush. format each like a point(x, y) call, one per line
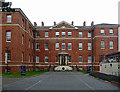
point(28, 74)
point(85, 72)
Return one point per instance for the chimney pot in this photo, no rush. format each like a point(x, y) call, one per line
point(43, 24)
point(35, 24)
point(72, 23)
point(92, 23)
point(84, 23)
point(54, 23)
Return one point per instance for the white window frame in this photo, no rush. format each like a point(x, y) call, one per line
point(89, 46)
point(79, 59)
point(102, 46)
point(80, 34)
point(89, 34)
point(37, 59)
point(111, 31)
point(22, 39)
point(80, 46)
point(111, 44)
point(70, 44)
point(63, 34)
point(46, 58)
point(46, 34)
point(89, 59)
point(29, 43)
point(69, 34)
point(29, 59)
point(8, 36)
point(37, 45)
point(22, 56)
point(57, 34)
point(57, 46)
point(46, 46)
point(63, 44)
point(9, 18)
point(102, 31)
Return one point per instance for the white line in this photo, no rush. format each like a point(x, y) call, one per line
point(35, 84)
point(85, 83)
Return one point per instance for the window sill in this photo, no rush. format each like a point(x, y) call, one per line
point(46, 62)
point(80, 49)
point(38, 49)
point(80, 62)
point(89, 49)
point(69, 49)
point(102, 48)
point(57, 49)
point(111, 48)
point(8, 41)
point(46, 49)
point(69, 62)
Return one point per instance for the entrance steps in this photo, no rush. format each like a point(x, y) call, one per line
point(63, 68)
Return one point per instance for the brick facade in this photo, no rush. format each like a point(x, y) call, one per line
point(29, 32)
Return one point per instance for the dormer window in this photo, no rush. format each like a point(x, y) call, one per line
point(63, 27)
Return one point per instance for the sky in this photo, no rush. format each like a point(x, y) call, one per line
point(48, 11)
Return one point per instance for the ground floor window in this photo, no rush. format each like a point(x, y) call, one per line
point(101, 58)
point(57, 59)
point(80, 59)
point(89, 59)
point(46, 59)
point(37, 59)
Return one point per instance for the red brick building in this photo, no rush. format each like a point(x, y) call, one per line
point(43, 47)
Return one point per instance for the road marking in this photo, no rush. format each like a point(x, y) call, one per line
point(85, 83)
point(36, 83)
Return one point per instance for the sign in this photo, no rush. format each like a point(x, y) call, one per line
point(88, 69)
point(23, 70)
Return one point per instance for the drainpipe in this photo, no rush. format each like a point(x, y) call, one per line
point(92, 48)
point(34, 47)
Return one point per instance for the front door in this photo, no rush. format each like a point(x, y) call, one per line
point(63, 60)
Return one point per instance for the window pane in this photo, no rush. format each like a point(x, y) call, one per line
point(80, 46)
point(46, 46)
point(80, 34)
point(111, 31)
point(57, 58)
point(102, 44)
point(57, 46)
point(22, 39)
point(46, 58)
point(89, 34)
point(69, 34)
point(37, 34)
point(22, 56)
point(89, 46)
point(9, 18)
point(46, 34)
point(69, 46)
point(37, 46)
point(57, 34)
point(111, 44)
point(37, 59)
point(89, 59)
point(8, 55)
point(80, 58)
point(102, 31)
point(63, 46)
point(8, 36)
point(63, 34)
point(101, 58)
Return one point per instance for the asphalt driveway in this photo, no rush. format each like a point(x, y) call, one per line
point(60, 81)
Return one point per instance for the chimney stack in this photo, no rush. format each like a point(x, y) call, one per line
point(42, 24)
point(92, 23)
point(35, 24)
point(72, 23)
point(54, 23)
point(84, 23)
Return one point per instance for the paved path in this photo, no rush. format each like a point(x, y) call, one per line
point(60, 81)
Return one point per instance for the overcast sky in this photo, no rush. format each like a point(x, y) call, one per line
point(48, 11)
